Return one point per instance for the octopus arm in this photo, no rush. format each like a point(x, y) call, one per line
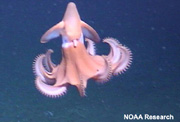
point(49, 90)
point(49, 65)
point(90, 47)
point(104, 72)
point(40, 70)
point(120, 56)
point(81, 90)
point(125, 60)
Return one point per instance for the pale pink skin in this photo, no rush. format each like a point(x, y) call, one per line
point(79, 63)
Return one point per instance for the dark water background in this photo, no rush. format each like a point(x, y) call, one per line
point(150, 28)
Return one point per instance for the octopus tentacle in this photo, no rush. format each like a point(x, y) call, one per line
point(49, 65)
point(37, 66)
point(40, 70)
point(125, 60)
point(49, 90)
point(120, 56)
point(90, 47)
point(114, 53)
point(83, 85)
point(81, 89)
point(105, 74)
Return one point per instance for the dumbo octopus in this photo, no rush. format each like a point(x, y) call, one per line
point(79, 61)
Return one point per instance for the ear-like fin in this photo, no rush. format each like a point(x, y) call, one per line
point(53, 32)
point(89, 32)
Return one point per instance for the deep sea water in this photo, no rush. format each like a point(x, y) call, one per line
point(151, 85)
